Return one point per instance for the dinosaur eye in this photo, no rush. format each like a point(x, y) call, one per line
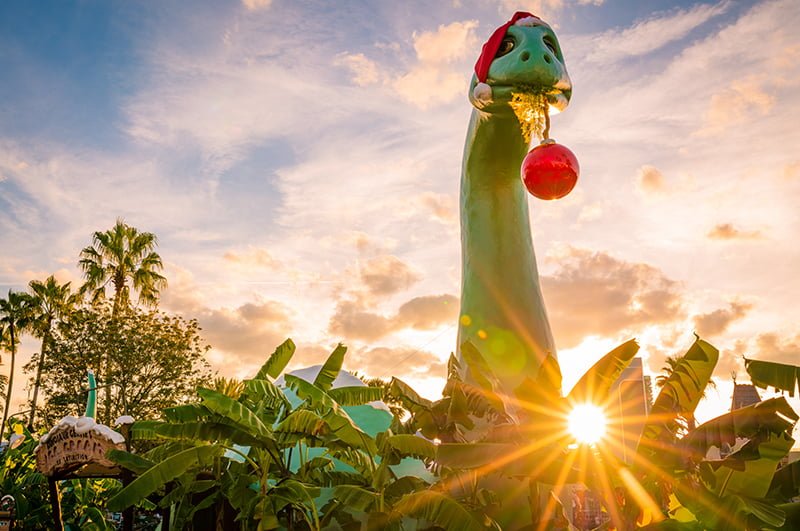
point(551, 45)
point(506, 46)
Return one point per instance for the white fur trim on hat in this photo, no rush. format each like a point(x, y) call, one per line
point(529, 21)
point(482, 93)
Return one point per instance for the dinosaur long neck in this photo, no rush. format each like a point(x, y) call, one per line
point(502, 309)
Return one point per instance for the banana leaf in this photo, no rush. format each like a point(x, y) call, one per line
point(548, 464)
point(678, 397)
point(186, 413)
point(755, 479)
point(207, 431)
point(161, 474)
point(596, 383)
point(339, 422)
point(278, 361)
point(357, 459)
point(145, 430)
point(303, 421)
point(774, 415)
point(330, 369)
point(792, 512)
point(478, 369)
point(770, 374)
point(97, 519)
point(458, 413)
point(356, 395)
point(472, 455)
point(133, 462)
point(785, 483)
point(265, 393)
point(404, 485)
point(423, 416)
point(408, 445)
point(355, 498)
point(237, 412)
point(540, 400)
point(437, 509)
point(453, 368)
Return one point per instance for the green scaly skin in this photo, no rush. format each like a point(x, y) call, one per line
point(502, 308)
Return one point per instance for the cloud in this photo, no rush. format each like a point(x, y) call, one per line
point(254, 5)
point(441, 206)
point(364, 71)
point(594, 293)
point(434, 79)
point(774, 347)
point(543, 8)
point(649, 179)
point(427, 312)
point(718, 321)
point(447, 44)
point(743, 101)
point(241, 336)
point(648, 35)
point(384, 362)
point(386, 275)
point(246, 333)
point(791, 170)
point(252, 257)
point(352, 320)
point(726, 231)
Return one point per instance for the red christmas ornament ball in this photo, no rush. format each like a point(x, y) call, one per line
point(550, 170)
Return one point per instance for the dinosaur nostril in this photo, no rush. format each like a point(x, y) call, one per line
point(525, 56)
point(547, 58)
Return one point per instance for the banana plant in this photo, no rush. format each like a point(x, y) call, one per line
point(675, 473)
point(243, 451)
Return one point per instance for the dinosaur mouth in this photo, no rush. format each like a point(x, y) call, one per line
point(557, 96)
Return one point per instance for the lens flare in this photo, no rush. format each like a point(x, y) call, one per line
point(587, 423)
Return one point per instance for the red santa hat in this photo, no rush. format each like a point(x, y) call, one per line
point(483, 92)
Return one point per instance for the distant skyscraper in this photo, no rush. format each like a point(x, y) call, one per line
point(744, 395)
point(628, 410)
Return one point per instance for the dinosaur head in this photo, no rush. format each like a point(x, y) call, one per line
point(522, 55)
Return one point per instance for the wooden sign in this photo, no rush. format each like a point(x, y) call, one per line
point(74, 443)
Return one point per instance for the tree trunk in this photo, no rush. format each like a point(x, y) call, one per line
point(10, 381)
point(118, 288)
point(38, 382)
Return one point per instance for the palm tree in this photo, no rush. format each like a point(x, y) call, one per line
point(117, 256)
point(14, 311)
point(49, 302)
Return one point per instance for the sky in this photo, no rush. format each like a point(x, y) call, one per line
point(299, 162)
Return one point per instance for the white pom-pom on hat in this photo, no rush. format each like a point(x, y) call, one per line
point(482, 93)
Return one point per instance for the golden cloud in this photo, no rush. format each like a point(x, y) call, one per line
point(386, 275)
point(743, 101)
point(593, 293)
point(716, 322)
point(726, 231)
point(252, 257)
point(352, 320)
point(384, 362)
point(649, 179)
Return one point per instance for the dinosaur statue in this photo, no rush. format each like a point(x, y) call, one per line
point(502, 310)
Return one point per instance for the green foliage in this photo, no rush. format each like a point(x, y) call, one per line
point(156, 361)
point(595, 385)
point(770, 374)
point(120, 257)
point(278, 361)
point(310, 466)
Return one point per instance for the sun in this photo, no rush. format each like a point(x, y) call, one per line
point(587, 423)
